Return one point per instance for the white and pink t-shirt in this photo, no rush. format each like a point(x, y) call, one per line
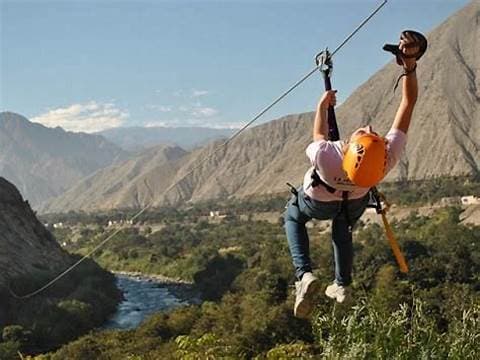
point(327, 158)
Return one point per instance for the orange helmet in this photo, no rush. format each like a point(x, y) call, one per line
point(365, 160)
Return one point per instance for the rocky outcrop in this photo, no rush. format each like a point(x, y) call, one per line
point(26, 247)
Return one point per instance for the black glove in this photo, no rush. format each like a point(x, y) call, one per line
point(421, 42)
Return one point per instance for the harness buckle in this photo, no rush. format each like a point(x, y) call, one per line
point(293, 190)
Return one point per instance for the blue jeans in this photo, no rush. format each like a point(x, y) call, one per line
point(300, 210)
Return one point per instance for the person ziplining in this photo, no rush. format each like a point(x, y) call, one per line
point(337, 186)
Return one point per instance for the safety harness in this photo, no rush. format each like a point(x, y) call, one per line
point(324, 61)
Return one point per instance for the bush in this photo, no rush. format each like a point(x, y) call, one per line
point(296, 350)
point(407, 333)
point(9, 350)
point(15, 333)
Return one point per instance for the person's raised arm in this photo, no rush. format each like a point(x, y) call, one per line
point(320, 125)
point(409, 86)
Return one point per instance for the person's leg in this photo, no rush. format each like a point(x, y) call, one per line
point(297, 236)
point(342, 240)
point(342, 250)
point(307, 286)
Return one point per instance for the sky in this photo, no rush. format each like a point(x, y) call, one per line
point(93, 65)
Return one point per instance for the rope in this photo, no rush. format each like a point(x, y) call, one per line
point(215, 151)
point(392, 240)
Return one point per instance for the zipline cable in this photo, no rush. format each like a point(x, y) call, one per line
point(215, 151)
point(358, 28)
point(277, 100)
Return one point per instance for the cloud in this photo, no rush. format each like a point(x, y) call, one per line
point(90, 117)
point(197, 110)
point(157, 124)
point(199, 93)
point(187, 109)
point(204, 112)
point(178, 93)
point(192, 93)
point(161, 108)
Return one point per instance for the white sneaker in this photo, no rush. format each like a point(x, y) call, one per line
point(337, 292)
point(306, 290)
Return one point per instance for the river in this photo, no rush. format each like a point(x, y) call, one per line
point(144, 296)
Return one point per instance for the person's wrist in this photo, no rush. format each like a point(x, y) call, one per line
point(322, 107)
point(409, 65)
point(408, 72)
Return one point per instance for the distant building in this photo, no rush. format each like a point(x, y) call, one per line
point(214, 213)
point(451, 201)
point(119, 222)
point(470, 200)
point(219, 215)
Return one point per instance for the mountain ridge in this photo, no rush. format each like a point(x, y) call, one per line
point(43, 162)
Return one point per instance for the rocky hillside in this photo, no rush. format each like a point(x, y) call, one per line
point(443, 139)
point(44, 162)
point(129, 184)
point(26, 247)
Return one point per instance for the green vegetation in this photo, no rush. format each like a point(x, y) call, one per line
point(430, 191)
point(419, 192)
point(245, 273)
point(76, 304)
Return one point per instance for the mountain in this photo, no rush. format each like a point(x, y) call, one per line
point(128, 184)
point(139, 138)
point(443, 137)
point(26, 246)
point(44, 162)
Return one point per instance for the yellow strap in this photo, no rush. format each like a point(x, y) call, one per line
point(402, 263)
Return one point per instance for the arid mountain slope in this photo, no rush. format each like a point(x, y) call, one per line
point(443, 139)
point(44, 162)
point(129, 184)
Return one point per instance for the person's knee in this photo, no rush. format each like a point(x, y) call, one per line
point(287, 217)
point(341, 234)
point(292, 212)
point(342, 240)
